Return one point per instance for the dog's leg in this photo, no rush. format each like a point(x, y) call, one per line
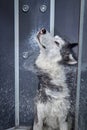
point(38, 121)
point(38, 125)
point(50, 128)
point(63, 125)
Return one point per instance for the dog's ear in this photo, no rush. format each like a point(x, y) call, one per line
point(71, 60)
point(72, 45)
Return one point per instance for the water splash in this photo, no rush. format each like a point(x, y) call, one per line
point(30, 56)
point(32, 40)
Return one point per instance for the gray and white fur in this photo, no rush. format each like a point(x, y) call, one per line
point(52, 103)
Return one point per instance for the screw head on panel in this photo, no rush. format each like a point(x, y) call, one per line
point(25, 8)
point(43, 8)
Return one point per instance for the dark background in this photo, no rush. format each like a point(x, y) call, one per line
point(7, 113)
point(66, 25)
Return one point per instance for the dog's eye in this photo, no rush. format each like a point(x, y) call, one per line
point(57, 43)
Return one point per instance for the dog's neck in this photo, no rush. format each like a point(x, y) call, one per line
point(53, 69)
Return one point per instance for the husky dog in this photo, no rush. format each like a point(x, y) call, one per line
point(52, 103)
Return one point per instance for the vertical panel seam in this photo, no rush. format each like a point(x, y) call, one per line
point(52, 16)
point(16, 41)
point(79, 64)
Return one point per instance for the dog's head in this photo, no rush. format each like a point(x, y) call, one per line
point(55, 48)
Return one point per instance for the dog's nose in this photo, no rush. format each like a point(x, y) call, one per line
point(43, 30)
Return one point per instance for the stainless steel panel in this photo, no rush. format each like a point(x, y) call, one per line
point(7, 111)
point(83, 83)
point(67, 19)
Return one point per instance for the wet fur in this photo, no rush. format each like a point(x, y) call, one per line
point(52, 103)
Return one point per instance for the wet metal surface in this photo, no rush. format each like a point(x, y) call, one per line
point(7, 115)
point(83, 85)
point(67, 19)
point(83, 102)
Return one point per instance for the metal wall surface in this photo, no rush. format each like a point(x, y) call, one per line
point(7, 111)
point(30, 23)
point(67, 19)
point(83, 83)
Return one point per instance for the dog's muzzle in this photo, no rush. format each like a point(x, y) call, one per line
point(41, 32)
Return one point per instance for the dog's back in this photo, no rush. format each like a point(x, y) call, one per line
point(53, 97)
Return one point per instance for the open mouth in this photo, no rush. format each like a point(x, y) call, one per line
point(41, 32)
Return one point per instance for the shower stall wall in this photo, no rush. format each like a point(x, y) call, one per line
point(19, 22)
point(82, 114)
point(7, 91)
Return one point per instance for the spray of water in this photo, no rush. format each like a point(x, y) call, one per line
point(32, 54)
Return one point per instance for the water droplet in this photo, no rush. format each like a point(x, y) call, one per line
point(82, 80)
point(25, 55)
